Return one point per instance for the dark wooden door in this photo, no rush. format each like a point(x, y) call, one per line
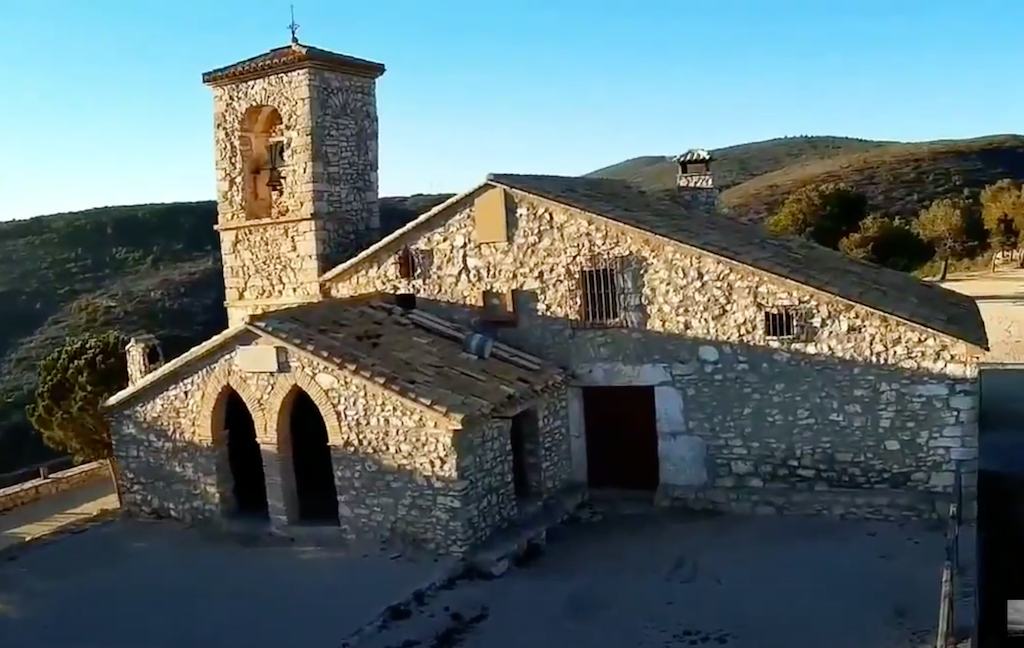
point(621, 437)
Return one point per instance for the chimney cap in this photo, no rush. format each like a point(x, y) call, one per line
point(143, 339)
point(693, 155)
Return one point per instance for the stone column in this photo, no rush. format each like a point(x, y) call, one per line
point(273, 475)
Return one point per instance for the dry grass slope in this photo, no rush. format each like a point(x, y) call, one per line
point(899, 179)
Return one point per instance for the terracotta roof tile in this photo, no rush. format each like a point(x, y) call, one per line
point(389, 346)
point(896, 293)
point(291, 57)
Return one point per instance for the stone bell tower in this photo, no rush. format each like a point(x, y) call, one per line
point(295, 136)
point(695, 185)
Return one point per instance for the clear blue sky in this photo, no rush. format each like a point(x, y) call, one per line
point(103, 104)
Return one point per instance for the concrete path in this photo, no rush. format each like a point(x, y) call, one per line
point(135, 584)
point(668, 581)
point(52, 513)
point(1000, 298)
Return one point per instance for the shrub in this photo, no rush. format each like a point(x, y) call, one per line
point(887, 242)
point(824, 213)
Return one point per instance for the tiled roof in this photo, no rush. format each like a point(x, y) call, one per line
point(693, 155)
point(291, 57)
point(801, 261)
point(412, 354)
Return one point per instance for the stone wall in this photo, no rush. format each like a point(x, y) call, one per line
point(58, 482)
point(485, 466)
point(395, 469)
point(863, 402)
point(345, 143)
point(556, 450)
point(327, 207)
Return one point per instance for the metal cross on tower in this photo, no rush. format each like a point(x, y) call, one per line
point(293, 27)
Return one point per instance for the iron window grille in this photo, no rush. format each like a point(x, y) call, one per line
point(603, 287)
point(781, 324)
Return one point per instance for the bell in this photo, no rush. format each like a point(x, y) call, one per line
point(274, 182)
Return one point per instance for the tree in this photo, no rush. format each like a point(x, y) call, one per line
point(887, 242)
point(946, 226)
point(74, 381)
point(1002, 212)
point(823, 213)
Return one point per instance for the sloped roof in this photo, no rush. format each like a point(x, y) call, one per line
point(292, 57)
point(693, 155)
point(413, 354)
point(416, 355)
point(888, 291)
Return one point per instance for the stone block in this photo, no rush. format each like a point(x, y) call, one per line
point(963, 403)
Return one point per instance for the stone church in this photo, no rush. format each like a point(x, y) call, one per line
point(530, 335)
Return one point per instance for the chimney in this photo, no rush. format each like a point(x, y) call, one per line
point(695, 183)
point(143, 355)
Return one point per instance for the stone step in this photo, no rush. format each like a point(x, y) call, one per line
point(526, 538)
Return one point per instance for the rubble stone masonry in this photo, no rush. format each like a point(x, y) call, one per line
point(862, 414)
point(327, 207)
point(398, 475)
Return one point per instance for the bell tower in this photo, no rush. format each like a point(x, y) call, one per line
point(295, 141)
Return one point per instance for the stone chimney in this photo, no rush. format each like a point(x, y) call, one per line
point(695, 183)
point(143, 355)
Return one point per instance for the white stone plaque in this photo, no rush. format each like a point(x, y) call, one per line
point(260, 358)
point(683, 460)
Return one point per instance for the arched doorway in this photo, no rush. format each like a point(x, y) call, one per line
point(245, 461)
point(316, 495)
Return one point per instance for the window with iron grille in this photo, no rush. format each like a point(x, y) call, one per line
point(779, 323)
point(600, 288)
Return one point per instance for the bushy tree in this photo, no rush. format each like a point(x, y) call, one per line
point(74, 381)
point(946, 226)
point(823, 213)
point(1002, 211)
point(887, 242)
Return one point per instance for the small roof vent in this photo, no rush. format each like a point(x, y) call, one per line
point(478, 344)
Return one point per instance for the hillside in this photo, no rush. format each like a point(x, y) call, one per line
point(898, 178)
point(152, 268)
point(736, 164)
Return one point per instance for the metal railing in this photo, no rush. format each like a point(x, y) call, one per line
point(33, 472)
point(951, 566)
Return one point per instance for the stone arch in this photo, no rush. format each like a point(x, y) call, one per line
point(279, 404)
point(213, 392)
point(260, 145)
point(210, 427)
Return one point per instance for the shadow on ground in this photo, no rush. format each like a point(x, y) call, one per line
point(666, 580)
point(135, 584)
